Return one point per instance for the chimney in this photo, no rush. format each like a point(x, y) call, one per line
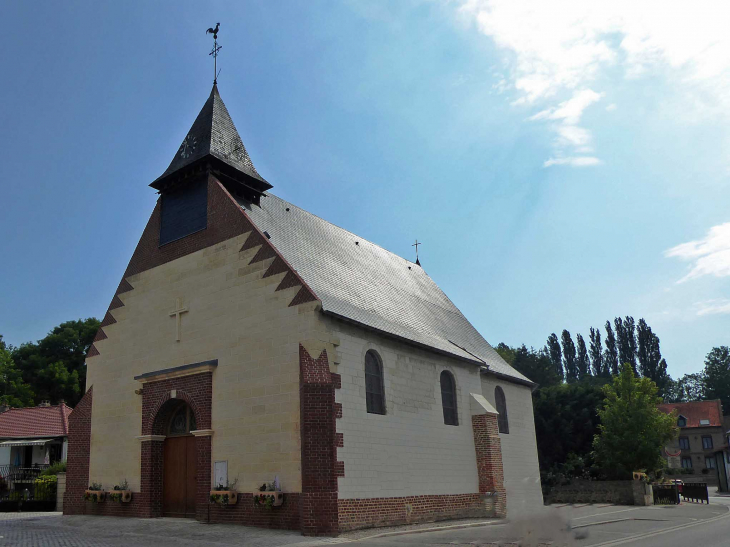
point(45, 403)
point(61, 402)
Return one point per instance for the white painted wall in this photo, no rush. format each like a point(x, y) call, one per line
point(409, 450)
point(519, 447)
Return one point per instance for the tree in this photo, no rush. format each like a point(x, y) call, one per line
point(55, 366)
point(651, 364)
point(555, 353)
point(633, 430)
point(583, 363)
point(626, 338)
point(571, 371)
point(717, 375)
point(13, 391)
point(596, 353)
point(536, 365)
point(690, 387)
point(566, 419)
point(610, 357)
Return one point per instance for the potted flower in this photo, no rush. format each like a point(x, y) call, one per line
point(95, 493)
point(121, 492)
point(269, 495)
point(224, 494)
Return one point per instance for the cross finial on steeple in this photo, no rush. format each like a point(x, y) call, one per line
point(416, 244)
point(215, 50)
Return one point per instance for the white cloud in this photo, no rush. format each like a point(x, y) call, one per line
point(713, 307)
point(709, 255)
point(575, 161)
point(561, 48)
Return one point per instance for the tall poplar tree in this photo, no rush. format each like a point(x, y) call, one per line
point(571, 370)
point(582, 362)
point(610, 357)
point(626, 337)
point(555, 353)
point(717, 375)
point(597, 353)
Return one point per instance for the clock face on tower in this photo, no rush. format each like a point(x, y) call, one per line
point(188, 146)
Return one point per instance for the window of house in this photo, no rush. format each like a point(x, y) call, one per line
point(706, 442)
point(687, 463)
point(681, 421)
point(501, 404)
point(374, 390)
point(448, 398)
point(710, 463)
point(704, 422)
point(684, 443)
point(182, 421)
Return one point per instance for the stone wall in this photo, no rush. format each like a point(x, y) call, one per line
point(616, 492)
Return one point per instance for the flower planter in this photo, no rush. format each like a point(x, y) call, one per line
point(94, 495)
point(121, 496)
point(262, 498)
point(223, 497)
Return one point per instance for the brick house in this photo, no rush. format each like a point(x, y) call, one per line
point(702, 445)
point(250, 340)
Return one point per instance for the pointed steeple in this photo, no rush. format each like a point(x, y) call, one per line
point(213, 142)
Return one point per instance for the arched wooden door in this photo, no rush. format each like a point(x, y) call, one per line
point(179, 465)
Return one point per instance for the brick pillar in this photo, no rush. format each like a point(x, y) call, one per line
point(151, 476)
point(488, 455)
point(203, 450)
point(79, 448)
point(318, 508)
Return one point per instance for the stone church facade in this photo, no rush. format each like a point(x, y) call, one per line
point(250, 336)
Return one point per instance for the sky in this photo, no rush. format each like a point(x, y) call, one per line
point(563, 162)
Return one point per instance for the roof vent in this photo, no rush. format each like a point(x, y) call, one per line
point(357, 243)
point(287, 208)
point(267, 234)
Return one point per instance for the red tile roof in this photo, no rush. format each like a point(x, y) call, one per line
point(37, 421)
point(696, 411)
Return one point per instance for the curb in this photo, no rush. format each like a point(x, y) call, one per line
point(435, 529)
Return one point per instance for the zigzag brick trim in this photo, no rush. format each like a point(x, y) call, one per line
point(304, 295)
point(93, 352)
point(108, 320)
point(124, 286)
point(338, 410)
point(339, 469)
point(253, 240)
point(100, 335)
point(266, 251)
point(290, 280)
point(116, 303)
point(276, 267)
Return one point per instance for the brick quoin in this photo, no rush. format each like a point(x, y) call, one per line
point(489, 460)
point(318, 506)
point(77, 460)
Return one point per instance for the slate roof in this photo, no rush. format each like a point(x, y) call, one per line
point(37, 421)
point(214, 133)
point(361, 282)
point(697, 410)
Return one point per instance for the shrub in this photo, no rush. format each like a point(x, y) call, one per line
point(58, 467)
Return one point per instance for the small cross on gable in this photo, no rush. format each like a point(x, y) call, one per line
point(179, 310)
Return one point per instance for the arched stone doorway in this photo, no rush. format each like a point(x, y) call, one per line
point(179, 459)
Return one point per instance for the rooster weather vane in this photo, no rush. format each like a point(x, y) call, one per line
point(215, 50)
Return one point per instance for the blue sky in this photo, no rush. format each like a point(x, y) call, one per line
point(561, 166)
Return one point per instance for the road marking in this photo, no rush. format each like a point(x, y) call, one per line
point(606, 513)
point(660, 532)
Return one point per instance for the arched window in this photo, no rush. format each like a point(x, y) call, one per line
point(448, 398)
point(374, 390)
point(501, 404)
point(182, 421)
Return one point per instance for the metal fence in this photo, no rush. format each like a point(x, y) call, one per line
point(695, 491)
point(16, 477)
point(666, 494)
point(36, 497)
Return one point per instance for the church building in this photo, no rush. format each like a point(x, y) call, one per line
point(252, 342)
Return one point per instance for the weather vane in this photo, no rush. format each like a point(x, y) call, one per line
point(214, 52)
